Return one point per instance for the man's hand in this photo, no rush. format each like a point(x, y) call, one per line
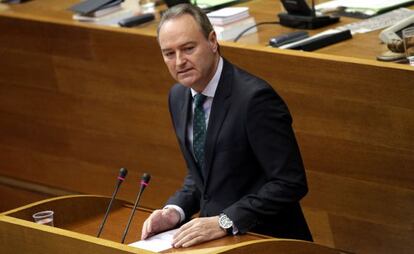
point(159, 221)
point(197, 231)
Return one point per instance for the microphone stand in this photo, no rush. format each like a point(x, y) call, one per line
point(122, 174)
point(144, 183)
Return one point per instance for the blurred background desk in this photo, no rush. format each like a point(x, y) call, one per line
point(79, 101)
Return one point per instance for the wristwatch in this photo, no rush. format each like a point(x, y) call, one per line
point(225, 223)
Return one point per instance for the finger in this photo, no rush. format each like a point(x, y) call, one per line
point(146, 229)
point(182, 231)
point(179, 235)
point(153, 221)
point(144, 233)
point(193, 241)
point(183, 238)
point(148, 225)
point(186, 232)
point(187, 225)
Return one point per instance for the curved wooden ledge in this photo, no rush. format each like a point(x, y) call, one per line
point(285, 246)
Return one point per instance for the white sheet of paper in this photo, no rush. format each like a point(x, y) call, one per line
point(156, 243)
point(365, 4)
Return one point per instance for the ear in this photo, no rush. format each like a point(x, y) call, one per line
point(212, 40)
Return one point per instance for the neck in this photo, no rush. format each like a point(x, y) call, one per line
point(200, 88)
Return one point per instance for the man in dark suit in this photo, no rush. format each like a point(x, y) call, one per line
point(245, 172)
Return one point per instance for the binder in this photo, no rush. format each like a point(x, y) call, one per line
point(311, 44)
point(89, 6)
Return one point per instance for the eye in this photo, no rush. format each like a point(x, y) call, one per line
point(189, 49)
point(169, 54)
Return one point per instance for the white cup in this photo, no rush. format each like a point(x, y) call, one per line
point(408, 38)
point(44, 218)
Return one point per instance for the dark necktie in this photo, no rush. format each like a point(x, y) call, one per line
point(199, 130)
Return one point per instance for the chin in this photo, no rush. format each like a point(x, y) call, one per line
point(187, 82)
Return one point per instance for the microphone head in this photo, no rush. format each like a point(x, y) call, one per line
point(145, 178)
point(122, 174)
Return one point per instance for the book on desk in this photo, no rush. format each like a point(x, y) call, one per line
point(229, 22)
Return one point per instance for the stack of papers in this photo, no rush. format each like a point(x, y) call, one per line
point(228, 15)
point(229, 22)
point(366, 7)
point(156, 243)
point(213, 4)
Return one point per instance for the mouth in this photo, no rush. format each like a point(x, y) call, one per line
point(180, 72)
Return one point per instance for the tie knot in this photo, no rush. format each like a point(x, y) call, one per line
point(199, 99)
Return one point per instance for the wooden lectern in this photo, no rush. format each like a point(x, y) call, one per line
point(77, 218)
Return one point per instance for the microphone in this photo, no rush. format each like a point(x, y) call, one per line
point(144, 183)
point(121, 177)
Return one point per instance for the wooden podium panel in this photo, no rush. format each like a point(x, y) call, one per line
point(77, 218)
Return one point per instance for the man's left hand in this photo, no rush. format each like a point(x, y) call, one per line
point(197, 231)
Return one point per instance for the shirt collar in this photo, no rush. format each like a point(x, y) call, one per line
point(211, 87)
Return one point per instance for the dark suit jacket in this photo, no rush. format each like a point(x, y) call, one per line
point(254, 171)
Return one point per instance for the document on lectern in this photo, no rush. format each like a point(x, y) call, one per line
point(156, 243)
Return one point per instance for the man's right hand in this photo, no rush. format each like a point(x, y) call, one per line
point(160, 220)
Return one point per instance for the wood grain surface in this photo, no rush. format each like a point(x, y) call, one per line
point(79, 101)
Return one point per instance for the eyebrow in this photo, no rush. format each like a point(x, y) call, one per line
point(180, 46)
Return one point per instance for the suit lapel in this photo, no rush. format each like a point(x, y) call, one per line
point(219, 109)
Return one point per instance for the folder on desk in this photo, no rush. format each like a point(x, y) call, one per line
point(205, 5)
point(320, 40)
point(362, 8)
point(89, 6)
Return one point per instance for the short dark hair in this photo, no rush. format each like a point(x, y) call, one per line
point(178, 10)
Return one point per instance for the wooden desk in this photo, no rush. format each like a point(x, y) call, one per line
point(362, 46)
point(77, 218)
point(84, 213)
point(79, 101)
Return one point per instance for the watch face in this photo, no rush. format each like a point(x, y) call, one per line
point(225, 222)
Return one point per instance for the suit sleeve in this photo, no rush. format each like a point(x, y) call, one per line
point(270, 135)
point(188, 198)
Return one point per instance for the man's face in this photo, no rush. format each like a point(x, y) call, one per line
point(189, 56)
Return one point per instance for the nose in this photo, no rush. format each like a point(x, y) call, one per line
point(180, 59)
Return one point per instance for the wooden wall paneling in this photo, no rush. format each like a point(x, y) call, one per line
point(77, 102)
point(355, 126)
point(389, 205)
point(368, 237)
point(324, 107)
point(12, 197)
point(97, 119)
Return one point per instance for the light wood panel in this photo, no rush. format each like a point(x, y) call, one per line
point(77, 218)
point(83, 214)
point(280, 246)
point(77, 102)
point(19, 236)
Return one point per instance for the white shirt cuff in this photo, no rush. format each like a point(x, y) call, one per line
point(178, 209)
point(235, 230)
